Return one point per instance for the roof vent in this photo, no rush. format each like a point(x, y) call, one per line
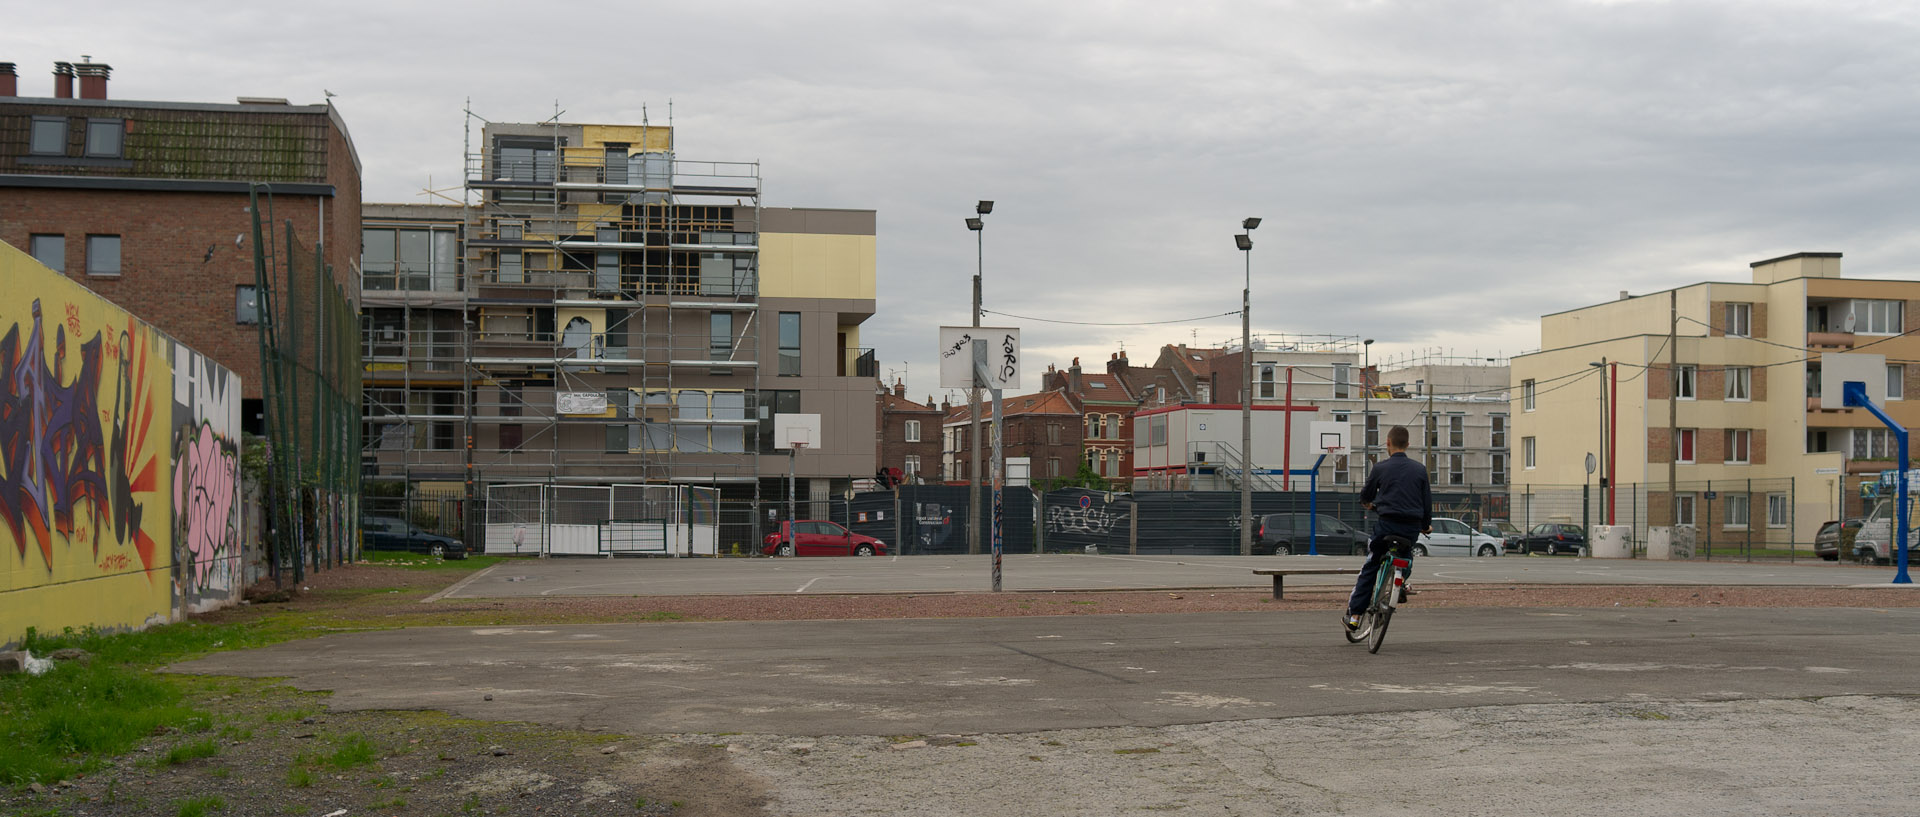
point(261, 100)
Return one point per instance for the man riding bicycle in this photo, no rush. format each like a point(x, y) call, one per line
point(1397, 490)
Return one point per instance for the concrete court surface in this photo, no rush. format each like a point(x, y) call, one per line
point(586, 576)
point(1483, 712)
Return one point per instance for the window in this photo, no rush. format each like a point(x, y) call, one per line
point(1878, 317)
point(789, 343)
point(1873, 444)
point(1684, 379)
point(1739, 320)
point(246, 304)
point(512, 435)
point(1739, 443)
point(415, 260)
point(1053, 434)
point(720, 336)
point(1094, 423)
point(1340, 379)
point(1157, 430)
point(1497, 474)
point(49, 249)
point(1528, 453)
point(1739, 383)
point(1456, 431)
point(1266, 380)
point(1499, 435)
point(511, 271)
point(913, 431)
point(1340, 472)
point(787, 402)
point(49, 136)
point(606, 271)
point(1738, 512)
point(1777, 510)
point(1373, 430)
point(1053, 466)
point(1683, 511)
point(511, 230)
point(1113, 427)
point(1896, 381)
point(1526, 395)
point(104, 137)
point(1685, 446)
point(1432, 437)
point(1456, 469)
point(103, 255)
point(912, 466)
point(618, 440)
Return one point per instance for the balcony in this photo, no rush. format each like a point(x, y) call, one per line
point(1830, 340)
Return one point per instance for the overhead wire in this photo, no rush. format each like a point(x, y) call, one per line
point(1095, 323)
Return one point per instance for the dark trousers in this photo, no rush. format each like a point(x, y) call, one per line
point(1376, 555)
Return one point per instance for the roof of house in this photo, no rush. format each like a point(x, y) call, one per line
point(1046, 402)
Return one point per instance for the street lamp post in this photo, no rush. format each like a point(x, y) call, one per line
point(1245, 242)
point(1601, 448)
point(978, 227)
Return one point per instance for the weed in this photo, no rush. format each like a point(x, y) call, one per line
point(472, 804)
point(235, 733)
point(200, 806)
point(300, 777)
point(1036, 758)
point(354, 750)
point(663, 615)
point(381, 782)
point(395, 804)
point(221, 773)
point(191, 751)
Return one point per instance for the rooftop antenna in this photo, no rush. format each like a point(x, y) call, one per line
point(431, 192)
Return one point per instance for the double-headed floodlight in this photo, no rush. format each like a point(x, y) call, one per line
point(984, 207)
point(1250, 223)
point(1244, 241)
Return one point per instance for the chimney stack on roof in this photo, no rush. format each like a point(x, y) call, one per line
point(9, 80)
point(93, 78)
point(63, 80)
point(1073, 377)
point(1118, 363)
point(899, 389)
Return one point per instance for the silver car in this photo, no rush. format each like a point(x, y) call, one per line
point(1452, 537)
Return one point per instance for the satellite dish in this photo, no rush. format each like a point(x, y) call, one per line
point(1590, 463)
point(1847, 325)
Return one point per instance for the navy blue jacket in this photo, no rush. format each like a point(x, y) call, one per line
point(1398, 489)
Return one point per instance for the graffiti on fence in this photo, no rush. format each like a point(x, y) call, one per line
point(1093, 520)
point(62, 475)
point(206, 480)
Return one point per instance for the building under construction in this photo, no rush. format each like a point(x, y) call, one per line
point(588, 354)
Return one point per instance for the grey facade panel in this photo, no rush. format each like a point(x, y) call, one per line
point(819, 221)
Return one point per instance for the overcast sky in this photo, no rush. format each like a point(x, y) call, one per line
point(1433, 174)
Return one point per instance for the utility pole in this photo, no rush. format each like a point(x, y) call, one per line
point(1673, 409)
point(978, 226)
point(1245, 242)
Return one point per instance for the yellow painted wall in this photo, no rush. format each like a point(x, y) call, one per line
point(810, 265)
point(85, 521)
point(642, 138)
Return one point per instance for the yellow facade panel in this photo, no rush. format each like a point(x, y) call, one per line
point(796, 265)
point(638, 137)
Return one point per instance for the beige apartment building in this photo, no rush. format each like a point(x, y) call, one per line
point(1761, 461)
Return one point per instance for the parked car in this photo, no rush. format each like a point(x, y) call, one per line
point(388, 533)
point(1452, 537)
point(813, 537)
point(1836, 537)
point(1283, 533)
point(1509, 533)
point(1553, 537)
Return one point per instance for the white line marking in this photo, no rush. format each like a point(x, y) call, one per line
point(803, 588)
point(459, 585)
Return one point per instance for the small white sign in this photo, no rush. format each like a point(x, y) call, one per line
point(956, 356)
point(580, 402)
point(1826, 472)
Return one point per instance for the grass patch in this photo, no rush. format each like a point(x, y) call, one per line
point(421, 561)
point(395, 804)
point(351, 751)
point(300, 777)
point(200, 806)
point(196, 750)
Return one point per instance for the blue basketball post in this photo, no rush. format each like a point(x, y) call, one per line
point(1854, 395)
point(1313, 503)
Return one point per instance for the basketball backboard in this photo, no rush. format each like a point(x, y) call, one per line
point(796, 431)
point(1839, 368)
point(956, 356)
point(1329, 437)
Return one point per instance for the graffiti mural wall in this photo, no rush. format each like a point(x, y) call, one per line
point(91, 446)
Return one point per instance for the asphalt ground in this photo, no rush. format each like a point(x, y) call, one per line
point(998, 675)
point(1030, 573)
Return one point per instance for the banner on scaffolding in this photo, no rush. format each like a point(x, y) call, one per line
point(581, 402)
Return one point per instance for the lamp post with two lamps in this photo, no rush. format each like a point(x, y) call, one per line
point(979, 227)
point(1245, 242)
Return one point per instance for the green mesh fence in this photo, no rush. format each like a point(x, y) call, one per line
point(310, 368)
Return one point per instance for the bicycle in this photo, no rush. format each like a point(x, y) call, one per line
point(1388, 586)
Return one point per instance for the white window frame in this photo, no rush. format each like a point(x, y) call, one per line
point(1878, 317)
point(1341, 474)
point(1497, 471)
point(1740, 445)
point(1498, 437)
point(1745, 514)
point(1739, 322)
point(912, 431)
point(1896, 381)
point(910, 467)
point(1683, 509)
point(1686, 382)
point(1777, 510)
point(1739, 384)
point(1529, 453)
point(1456, 469)
point(1456, 431)
point(1267, 374)
point(1527, 392)
point(1686, 454)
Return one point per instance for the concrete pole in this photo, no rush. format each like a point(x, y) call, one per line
point(1246, 409)
point(973, 410)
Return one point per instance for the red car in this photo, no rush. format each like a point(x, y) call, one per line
point(812, 537)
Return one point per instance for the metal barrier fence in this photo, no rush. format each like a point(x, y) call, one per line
point(1741, 520)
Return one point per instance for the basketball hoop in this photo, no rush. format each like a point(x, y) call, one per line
point(798, 446)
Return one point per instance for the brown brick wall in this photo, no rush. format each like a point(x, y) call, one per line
point(1710, 383)
point(1659, 382)
point(1710, 445)
point(1717, 319)
point(1758, 449)
point(1659, 446)
point(1759, 392)
point(1759, 319)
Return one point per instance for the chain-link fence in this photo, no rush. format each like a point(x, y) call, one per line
point(1743, 519)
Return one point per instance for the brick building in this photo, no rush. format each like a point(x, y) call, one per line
point(1106, 402)
point(909, 434)
point(1044, 427)
point(146, 203)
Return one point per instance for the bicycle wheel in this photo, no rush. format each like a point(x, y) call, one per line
point(1381, 611)
point(1359, 634)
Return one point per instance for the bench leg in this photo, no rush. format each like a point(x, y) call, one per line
point(1276, 585)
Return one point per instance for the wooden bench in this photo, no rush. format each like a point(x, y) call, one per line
point(1280, 573)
